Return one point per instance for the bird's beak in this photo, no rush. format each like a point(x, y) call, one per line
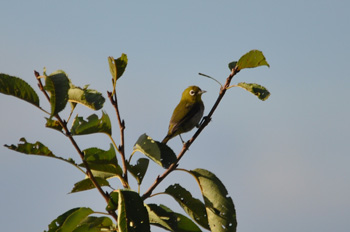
point(203, 91)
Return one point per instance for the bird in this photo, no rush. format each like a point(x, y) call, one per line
point(187, 113)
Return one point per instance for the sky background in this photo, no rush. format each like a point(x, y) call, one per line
point(285, 161)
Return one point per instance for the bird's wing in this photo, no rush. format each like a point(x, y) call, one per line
point(191, 108)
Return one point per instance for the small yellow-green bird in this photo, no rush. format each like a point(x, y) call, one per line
point(187, 113)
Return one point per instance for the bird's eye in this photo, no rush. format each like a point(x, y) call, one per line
point(192, 92)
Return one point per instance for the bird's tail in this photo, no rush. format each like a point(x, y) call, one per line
point(166, 139)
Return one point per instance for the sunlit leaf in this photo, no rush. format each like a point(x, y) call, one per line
point(260, 91)
point(53, 124)
point(57, 84)
point(220, 208)
point(37, 149)
point(162, 216)
point(192, 206)
point(160, 153)
point(70, 220)
point(117, 67)
point(139, 169)
point(132, 214)
point(87, 184)
point(92, 125)
point(17, 87)
point(87, 97)
point(252, 59)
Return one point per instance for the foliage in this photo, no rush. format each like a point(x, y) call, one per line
point(216, 212)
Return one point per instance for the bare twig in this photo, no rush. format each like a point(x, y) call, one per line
point(121, 148)
point(186, 145)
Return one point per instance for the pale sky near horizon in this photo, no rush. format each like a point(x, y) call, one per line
point(285, 161)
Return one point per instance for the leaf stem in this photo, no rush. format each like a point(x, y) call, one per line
point(186, 145)
point(202, 74)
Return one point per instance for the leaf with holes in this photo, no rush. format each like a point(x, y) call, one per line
point(37, 149)
point(160, 153)
point(102, 161)
point(70, 220)
point(260, 91)
point(192, 206)
point(219, 206)
point(132, 214)
point(139, 169)
point(95, 224)
point(92, 125)
point(162, 216)
point(53, 124)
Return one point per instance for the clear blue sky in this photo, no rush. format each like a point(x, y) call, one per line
point(285, 161)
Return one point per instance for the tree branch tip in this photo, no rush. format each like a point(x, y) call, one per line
point(36, 73)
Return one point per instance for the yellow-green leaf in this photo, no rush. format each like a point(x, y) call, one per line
point(87, 97)
point(252, 59)
point(260, 91)
point(117, 67)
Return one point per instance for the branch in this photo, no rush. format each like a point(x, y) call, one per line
point(121, 149)
point(77, 148)
point(186, 145)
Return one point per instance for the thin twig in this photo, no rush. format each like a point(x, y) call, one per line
point(77, 148)
point(121, 148)
point(186, 145)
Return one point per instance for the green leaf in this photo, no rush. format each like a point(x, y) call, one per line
point(87, 97)
point(53, 124)
point(132, 214)
point(252, 59)
point(139, 170)
point(103, 161)
point(17, 87)
point(192, 206)
point(232, 65)
point(87, 184)
point(260, 91)
point(95, 224)
point(165, 218)
point(70, 220)
point(220, 208)
point(92, 125)
point(117, 67)
point(158, 152)
point(113, 202)
point(37, 149)
point(57, 84)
